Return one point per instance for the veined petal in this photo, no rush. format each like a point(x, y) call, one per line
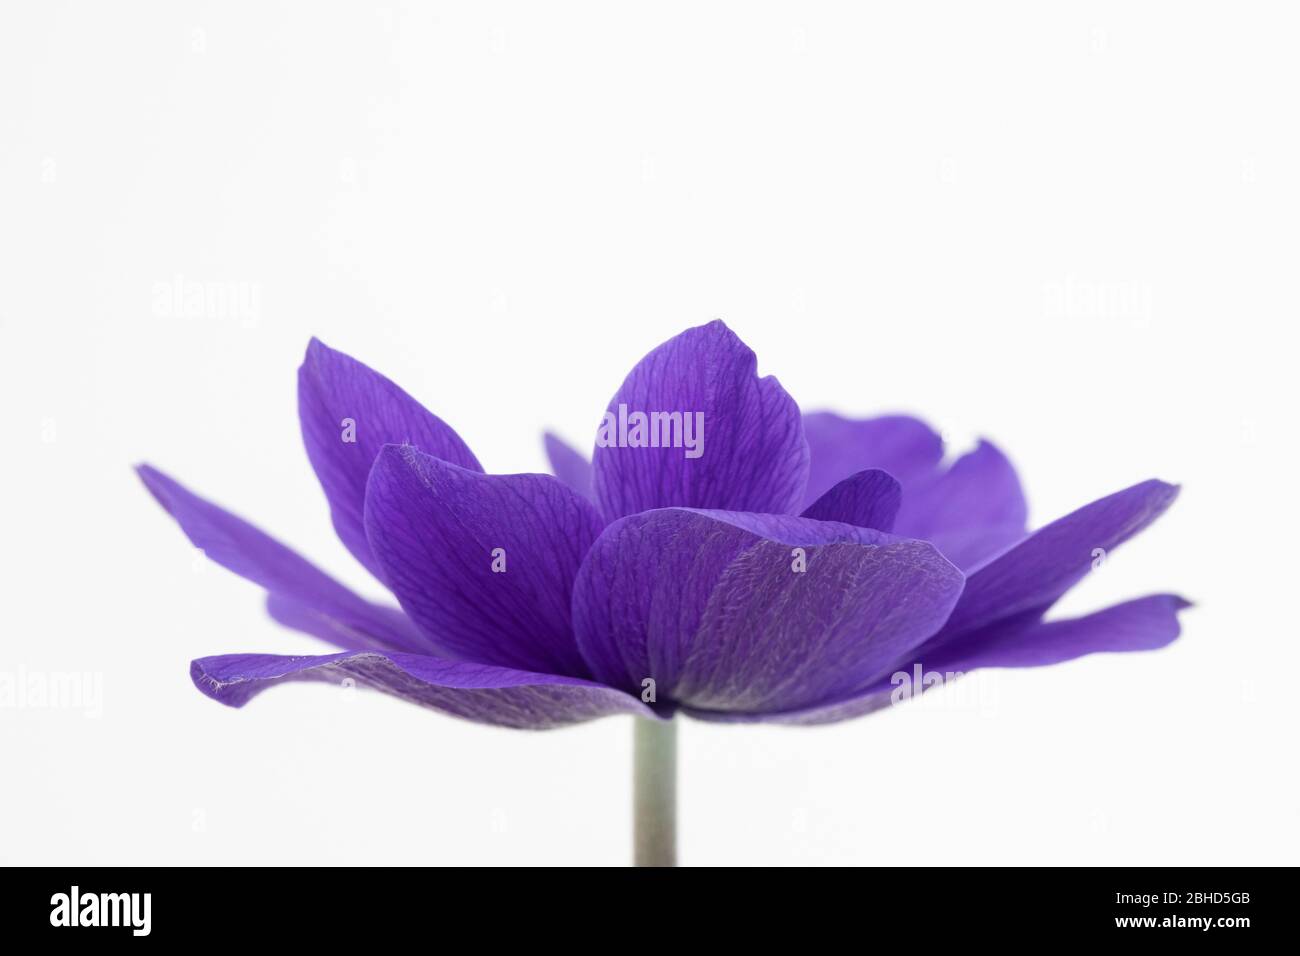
point(998, 619)
point(869, 499)
point(970, 512)
point(320, 623)
point(348, 412)
point(749, 450)
point(1143, 624)
point(478, 692)
point(906, 447)
point(569, 465)
point(1140, 625)
point(236, 545)
point(753, 613)
point(484, 564)
point(1033, 574)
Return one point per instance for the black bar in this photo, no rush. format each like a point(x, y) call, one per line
point(1177, 905)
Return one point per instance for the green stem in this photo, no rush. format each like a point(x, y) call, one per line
point(654, 785)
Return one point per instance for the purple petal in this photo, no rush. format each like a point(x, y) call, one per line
point(751, 455)
point(905, 447)
point(1144, 624)
point(1141, 625)
point(438, 531)
point(1032, 575)
point(869, 499)
point(858, 705)
point(711, 607)
point(997, 621)
point(318, 623)
point(348, 412)
point(569, 465)
point(478, 692)
point(970, 512)
point(238, 546)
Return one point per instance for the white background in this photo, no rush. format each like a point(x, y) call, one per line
point(1072, 230)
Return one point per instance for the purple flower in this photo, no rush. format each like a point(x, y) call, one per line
point(722, 554)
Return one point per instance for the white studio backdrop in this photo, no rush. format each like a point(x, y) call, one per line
point(1069, 229)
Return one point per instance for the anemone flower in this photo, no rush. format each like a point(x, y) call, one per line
point(721, 555)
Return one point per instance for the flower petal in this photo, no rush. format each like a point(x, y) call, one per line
point(1141, 625)
point(1032, 575)
point(970, 512)
point(478, 692)
point(348, 412)
point(998, 619)
point(712, 606)
point(330, 629)
point(569, 465)
point(438, 532)
point(753, 456)
point(239, 547)
point(869, 499)
point(907, 448)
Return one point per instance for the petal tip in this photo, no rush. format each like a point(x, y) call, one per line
point(312, 355)
point(1167, 489)
point(209, 686)
point(156, 483)
point(1163, 494)
point(317, 359)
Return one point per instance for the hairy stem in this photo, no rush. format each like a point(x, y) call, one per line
point(654, 785)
